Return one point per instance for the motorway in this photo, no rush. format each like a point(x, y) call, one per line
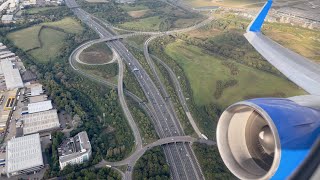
point(176, 83)
point(180, 156)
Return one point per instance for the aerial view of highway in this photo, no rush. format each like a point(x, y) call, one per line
point(180, 156)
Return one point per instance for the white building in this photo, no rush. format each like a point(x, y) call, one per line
point(75, 150)
point(12, 76)
point(24, 155)
point(8, 55)
point(39, 106)
point(6, 19)
point(34, 90)
point(39, 122)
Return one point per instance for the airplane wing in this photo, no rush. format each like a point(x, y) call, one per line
point(300, 70)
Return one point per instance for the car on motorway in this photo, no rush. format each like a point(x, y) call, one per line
point(129, 168)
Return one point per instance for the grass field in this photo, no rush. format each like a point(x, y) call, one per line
point(36, 10)
point(96, 54)
point(203, 71)
point(303, 41)
point(146, 24)
point(52, 43)
point(229, 3)
point(26, 42)
point(52, 40)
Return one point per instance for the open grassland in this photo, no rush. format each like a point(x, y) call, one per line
point(45, 43)
point(23, 41)
point(96, 54)
point(52, 42)
point(68, 24)
point(204, 70)
point(36, 10)
point(228, 3)
point(303, 41)
point(145, 24)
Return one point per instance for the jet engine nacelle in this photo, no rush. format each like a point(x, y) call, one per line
point(268, 138)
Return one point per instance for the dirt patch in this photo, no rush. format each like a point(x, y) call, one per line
point(137, 14)
point(97, 1)
point(95, 57)
point(96, 54)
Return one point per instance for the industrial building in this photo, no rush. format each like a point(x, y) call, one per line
point(6, 19)
point(34, 90)
point(75, 150)
point(8, 55)
point(34, 99)
point(37, 107)
point(40, 122)
point(24, 155)
point(3, 120)
point(11, 75)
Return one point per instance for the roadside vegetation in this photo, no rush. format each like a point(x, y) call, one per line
point(137, 41)
point(132, 85)
point(144, 122)
point(152, 165)
point(146, 15)
point(108, 72)
point(211, 163)
point(169, 84)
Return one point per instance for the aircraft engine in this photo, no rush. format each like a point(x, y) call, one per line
point(268, 138)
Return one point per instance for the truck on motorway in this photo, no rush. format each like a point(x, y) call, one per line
point(204, 136)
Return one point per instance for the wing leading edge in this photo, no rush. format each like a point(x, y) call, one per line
point(297, 68)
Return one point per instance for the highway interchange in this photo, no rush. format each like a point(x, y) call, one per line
point(179, 154)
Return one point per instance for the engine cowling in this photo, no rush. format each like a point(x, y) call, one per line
point(268, 138)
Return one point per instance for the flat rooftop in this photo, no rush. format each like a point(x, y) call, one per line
point(34, 99)
point(23, 153)
point(7, 18)
point(74, 146)
point(39, 106)
point(12, 76)
point(40, 121)
point(35, 89)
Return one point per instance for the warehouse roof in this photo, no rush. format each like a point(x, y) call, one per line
point(23, 153)
point(34, 99)
point(7, 17)
point(12, 76)
point(39, 106)
point(6, 55)
point(40, 121)
point(4, 52)
point(35, 90)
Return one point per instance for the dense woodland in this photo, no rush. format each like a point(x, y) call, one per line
point(211, 163)
point(152, 165)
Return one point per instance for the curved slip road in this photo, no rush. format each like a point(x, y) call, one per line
point(132, 123)
point(75, 55)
